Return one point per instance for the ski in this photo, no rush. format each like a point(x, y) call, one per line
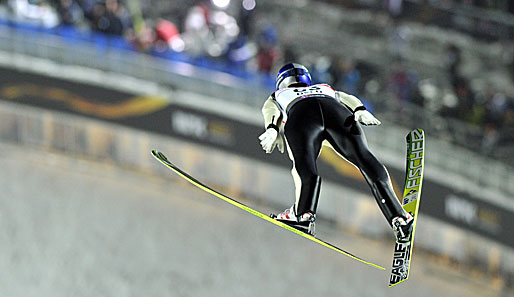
point(411, 198)
point(164, 160)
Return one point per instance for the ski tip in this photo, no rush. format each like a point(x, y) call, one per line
point(159, 155)
point(415, 134)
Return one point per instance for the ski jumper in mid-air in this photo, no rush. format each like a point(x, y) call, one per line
point(314, 115)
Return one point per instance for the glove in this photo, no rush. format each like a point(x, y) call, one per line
point(366, 118)
point(270, 139)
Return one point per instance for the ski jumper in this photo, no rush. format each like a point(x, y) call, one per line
point(318, 115)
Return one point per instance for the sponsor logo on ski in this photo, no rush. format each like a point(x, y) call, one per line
point(400, 263)
point(411, 196)
point(415, 160)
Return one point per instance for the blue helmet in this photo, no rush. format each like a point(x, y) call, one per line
point(292, 73)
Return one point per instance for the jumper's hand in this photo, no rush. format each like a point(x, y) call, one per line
point(270, 139)
point(366, 118)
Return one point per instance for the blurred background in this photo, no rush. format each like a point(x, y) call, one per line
point(89, 87)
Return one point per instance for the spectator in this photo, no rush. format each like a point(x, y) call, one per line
point(245, 19)
point(240, 51)
point(402, 83)
point(508, 119)
point(320, 70)
point(289, 54)
point(454, 59)
point(490, 139)
point(394, 7)
point(266, 56)
point(350, 77)
point(145, 39)
point(167, 36)
point(37, 12)
point(495, 109)
point(196, 29)
point(105, 18)
point(70, 12)
point(267, 52)
point(465, 99)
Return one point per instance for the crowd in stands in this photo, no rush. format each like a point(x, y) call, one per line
point(245, 43)
point(480, 18)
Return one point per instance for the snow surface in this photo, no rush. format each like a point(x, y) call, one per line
point(79, 228)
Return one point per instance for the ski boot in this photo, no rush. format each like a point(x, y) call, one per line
point(304, 222)
point(403, 228)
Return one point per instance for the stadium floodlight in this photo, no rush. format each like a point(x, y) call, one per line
point(249, 4)
point(221, 3)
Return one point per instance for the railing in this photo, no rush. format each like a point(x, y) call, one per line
point(174, 74)
point(476, 169)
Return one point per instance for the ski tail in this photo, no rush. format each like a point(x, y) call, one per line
point(410, 202)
